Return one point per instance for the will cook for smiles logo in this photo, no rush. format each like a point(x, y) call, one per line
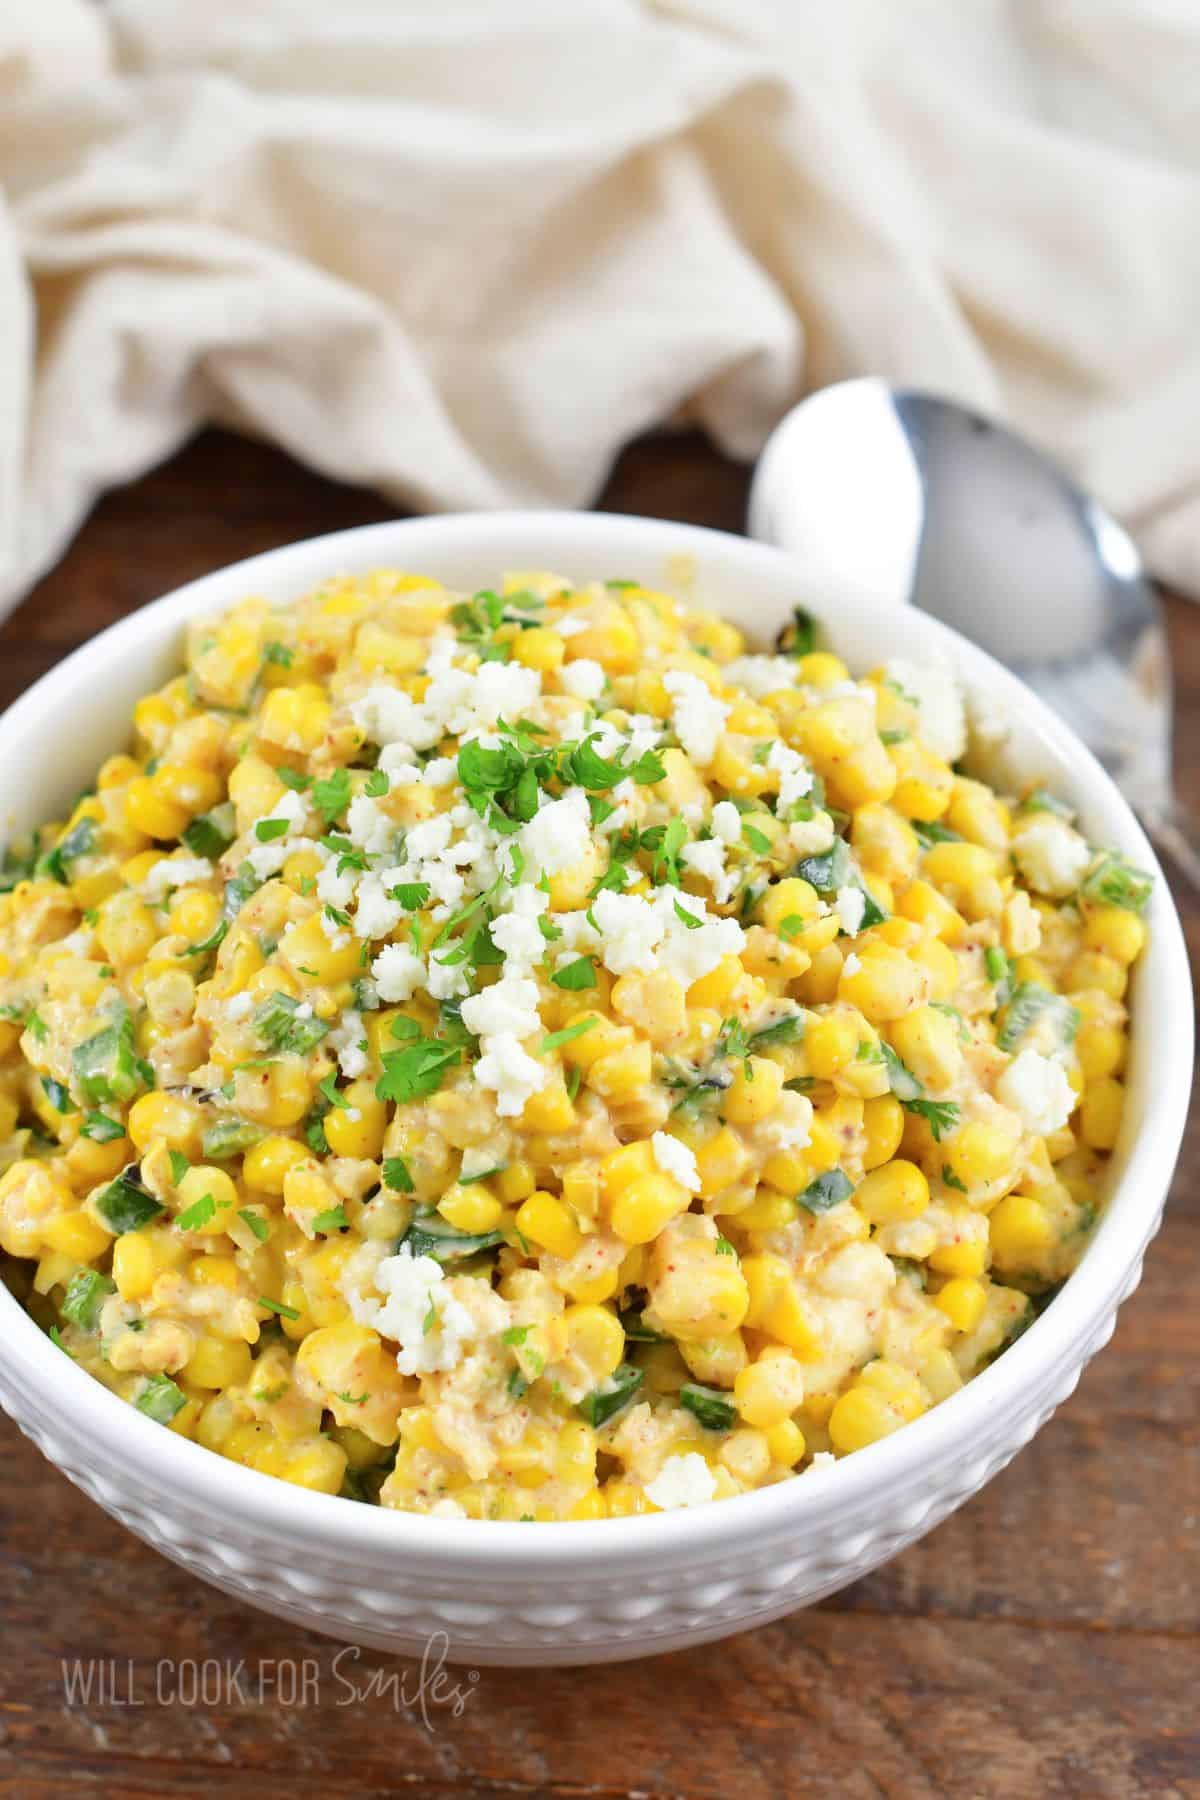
point(429, 1687)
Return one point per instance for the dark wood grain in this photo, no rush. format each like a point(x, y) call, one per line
point(1043, 1642)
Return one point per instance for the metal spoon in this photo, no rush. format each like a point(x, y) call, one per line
point(895, 493)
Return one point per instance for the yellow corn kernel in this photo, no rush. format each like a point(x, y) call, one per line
point(550, 1110)
point(76, 1235)
point(977, 815)
point(620, 1168)
point(1019, 1229)
point(357, 1129)
point(1093, 969)
point(580, 1190)
point(769, 1390)
point(200, 1184)
point(746, 1455)
point(788, 899)
point(788, 1320)
point(1115, 932)
point(601, 1038)
point(734, 769)
point(886, 844)
point(516, 1182)
point(789, 1172)
point(594, 1334)
point(319, 1466)
point(194, 914)
point(968, 876)
point(886, 985)
point(924, 783)
point(612, 642)
point(1100, 1113)
point(266, 1163)
point(786, 1443)
point(721, 1161)
point(306, 946)
point(646, 1205)
point(940, 966)
point(471, 1208)
point(545, 1220)
point(823, 1150)
point(622, 1072)
point(831, 1042)
point(295, 718)
point(963, 1301)
point(400, 653)
point(922, 903)
point(279, 1095)
point(213, 1271)
point(883, 1127)
point(966, 1259)
point(218, 1362)
point(979, 1154)
point(927, 1040)
point(772, 1212)
point(1101, 1050)
point(894, 1192)
point(168, 1119)
point(860, 1417)
point(126, 929)
point(539, 648)
point(135, 1268)
point(754, 1092)
point(148, 809)
point(898, 1385)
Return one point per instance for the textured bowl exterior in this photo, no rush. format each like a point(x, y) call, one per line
point(609, 1589)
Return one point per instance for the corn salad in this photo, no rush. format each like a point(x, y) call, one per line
point(520, 1056)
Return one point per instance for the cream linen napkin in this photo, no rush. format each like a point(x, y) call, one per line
point(463, 251)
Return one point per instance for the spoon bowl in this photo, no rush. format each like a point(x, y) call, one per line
point(890, 493)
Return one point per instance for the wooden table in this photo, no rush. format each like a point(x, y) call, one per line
point(1045, 1641)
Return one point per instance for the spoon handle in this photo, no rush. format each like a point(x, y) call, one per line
point(1176, 832)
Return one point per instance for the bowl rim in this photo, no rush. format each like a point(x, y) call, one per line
point(1059, 1339)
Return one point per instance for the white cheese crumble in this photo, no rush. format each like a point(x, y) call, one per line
point(584, 678)
point(440, 772)
point(375, 915)
point(559, 835)
point(850, 904)
point(682, 1481)
point(939, 701)
point(368, 826)
point(760, 675)
point(348, 1041)
point(1036, 1087)
point(726, 822)
point(852, 964)
point(457, 703)
point(795, 776)
point(697, 716)
point(1052, 856)
point(707, 858)
point(640, 936)
point(789, 1127)
point(676, 1160)
point(509, 1005)
point(173, 872)
point(429, 1326)
point(510, 1073)
point(811, 837)
point(239, 1006)
point(397, 972)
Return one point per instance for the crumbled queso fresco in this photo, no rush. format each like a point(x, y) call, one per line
point(525, 1056)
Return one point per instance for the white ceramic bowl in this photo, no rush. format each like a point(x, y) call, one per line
point(588, 1592)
